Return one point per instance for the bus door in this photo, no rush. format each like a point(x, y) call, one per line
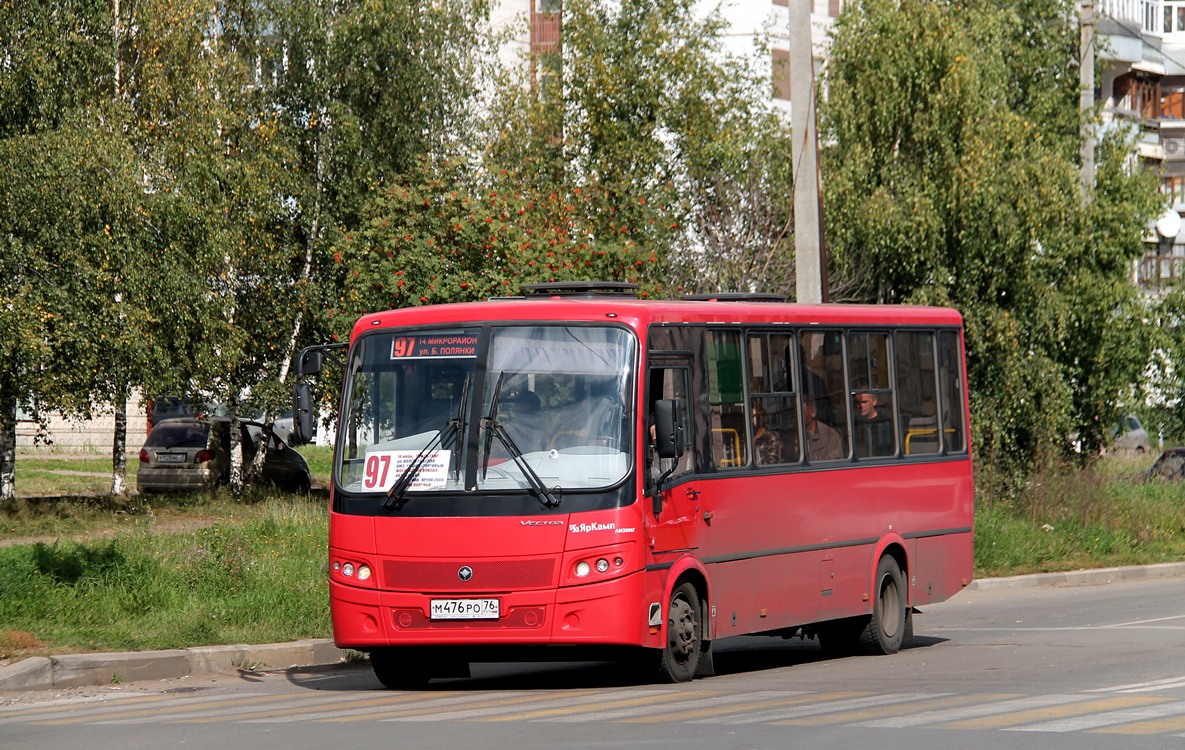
point(673, 528)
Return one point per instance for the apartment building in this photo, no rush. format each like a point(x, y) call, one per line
point(1140, 46)
point(539, 23)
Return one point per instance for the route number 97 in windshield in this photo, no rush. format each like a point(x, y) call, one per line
point(383, 468)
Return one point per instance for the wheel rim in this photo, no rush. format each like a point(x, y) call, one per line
point(681, 630)
point(890, 600)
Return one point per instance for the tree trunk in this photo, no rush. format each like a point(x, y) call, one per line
point(119, 452)
point(236, 450)
point(7, 446)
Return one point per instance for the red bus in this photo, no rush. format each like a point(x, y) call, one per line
point(579, 474)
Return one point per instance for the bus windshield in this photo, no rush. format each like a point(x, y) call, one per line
point(535, 407)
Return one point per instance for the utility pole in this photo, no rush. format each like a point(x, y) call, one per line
point(1086, 94)
point(808, 235)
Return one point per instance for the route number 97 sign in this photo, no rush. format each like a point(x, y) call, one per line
point(383, 468)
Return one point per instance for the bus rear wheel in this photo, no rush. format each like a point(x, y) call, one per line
point(886, 628)
point(680, 656)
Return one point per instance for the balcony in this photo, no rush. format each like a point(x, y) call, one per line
point(1156, 273)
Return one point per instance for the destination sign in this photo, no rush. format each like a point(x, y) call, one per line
point(459, 345)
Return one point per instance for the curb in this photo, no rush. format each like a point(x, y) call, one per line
point(1093, 577)
point(87, 670)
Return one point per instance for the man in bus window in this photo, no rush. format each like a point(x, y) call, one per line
point(874, 430)
point(823, 441)
point(768, 446)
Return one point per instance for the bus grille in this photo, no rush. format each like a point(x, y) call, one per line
point(520, 617)
point(488, 575)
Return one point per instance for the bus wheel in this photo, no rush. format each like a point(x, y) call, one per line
point(886, 628)
point(681, 655)
point(399, 669)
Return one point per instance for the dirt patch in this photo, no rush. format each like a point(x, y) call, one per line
point(168, 526)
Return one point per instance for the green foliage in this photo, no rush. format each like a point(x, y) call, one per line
point(952, 180)
point(258, 581)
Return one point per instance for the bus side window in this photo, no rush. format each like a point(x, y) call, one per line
point(669, 383)
point(917, 392)
point(950, 393)
point(726, 399)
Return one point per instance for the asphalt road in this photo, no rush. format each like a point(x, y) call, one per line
point(1096, 666)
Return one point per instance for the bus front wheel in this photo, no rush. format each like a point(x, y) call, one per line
point(400, 669)
point(886, 628)
point(680, 656)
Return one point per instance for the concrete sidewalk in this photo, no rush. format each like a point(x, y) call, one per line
point(84, 670)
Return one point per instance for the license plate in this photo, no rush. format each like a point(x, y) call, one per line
point(465, 609)
point(170, 458)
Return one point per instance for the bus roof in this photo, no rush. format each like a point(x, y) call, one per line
point(640, 314)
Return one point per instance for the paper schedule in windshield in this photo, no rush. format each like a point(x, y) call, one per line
point(383, 469)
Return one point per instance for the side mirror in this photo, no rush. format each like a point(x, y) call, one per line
point(309, 361)
point(668, 428)
point(302, 413)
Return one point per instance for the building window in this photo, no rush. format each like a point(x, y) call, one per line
point(780, 59)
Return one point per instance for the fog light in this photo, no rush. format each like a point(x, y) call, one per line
point(348, 570)
point(618, 561)
point(602, 565)
point(336, 566)
point(363, 572)
point(582, 569)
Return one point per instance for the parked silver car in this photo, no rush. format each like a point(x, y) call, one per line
point(191, 454)
point(1131, 436)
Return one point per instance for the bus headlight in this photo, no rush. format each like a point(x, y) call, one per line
point(582, 569)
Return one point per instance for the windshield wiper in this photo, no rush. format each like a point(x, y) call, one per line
point(549, 497)
point(445, 437)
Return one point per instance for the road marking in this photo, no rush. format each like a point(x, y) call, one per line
point(69, 707)
point(596, 710)
point(1155, 726)
point(926, 703)
point(732, 704)
point(176, 704)
point(228, 707)
point(432, 706)
point(1143, 687)
point(997, 704)
point(1048, 713)
point(586, 701)
point(1106, 718)
point(812, 709)
point(339, 708)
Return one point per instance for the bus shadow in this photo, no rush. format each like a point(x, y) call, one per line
point(742, 655)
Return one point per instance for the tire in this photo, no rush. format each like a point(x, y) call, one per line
point(400, 669)
point(886, 629)
point(839, 638)
point(680, 656)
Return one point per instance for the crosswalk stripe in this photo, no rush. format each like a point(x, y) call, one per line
point(430, 708)
point(814, 707)
point(594, 710)
point(583, 702)
point(989, 704)
point(726, 705)
point(1107, 718)
point(1033, 715)
point(842, 717)
point(177, 707)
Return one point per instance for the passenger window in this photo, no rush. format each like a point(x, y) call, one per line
point(824, 399)
point(917, 392)
point(773, 408)
point(873, 418)
point(726, 399)
point(950, 393)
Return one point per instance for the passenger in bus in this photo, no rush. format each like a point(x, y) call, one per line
point(823, 441)
point(874, 429)
point(768, 446)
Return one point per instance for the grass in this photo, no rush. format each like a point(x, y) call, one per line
point(95, 573)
